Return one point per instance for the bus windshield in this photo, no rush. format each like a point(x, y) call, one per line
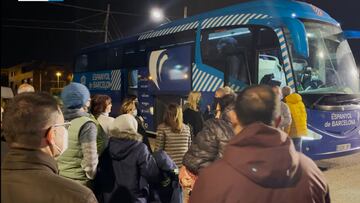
point(330, 67)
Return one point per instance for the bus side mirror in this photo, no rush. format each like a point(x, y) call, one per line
point(352, 34)
point(298, 36)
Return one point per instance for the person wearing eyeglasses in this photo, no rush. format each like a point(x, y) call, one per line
point(79, 162)
point(29, 172)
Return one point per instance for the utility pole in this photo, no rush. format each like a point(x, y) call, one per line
point(185, 11)
point(107, 23)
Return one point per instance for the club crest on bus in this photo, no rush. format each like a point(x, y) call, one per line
point(156, 62)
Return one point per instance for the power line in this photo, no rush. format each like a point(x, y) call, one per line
point(78, 7)
point(52, 28)
point(117, 26)
point(99, 10)
point(34, 20)
point(80, 19)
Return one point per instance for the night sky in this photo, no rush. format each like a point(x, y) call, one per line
point(25, 42)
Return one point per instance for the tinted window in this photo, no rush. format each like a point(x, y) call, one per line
point(228, 50)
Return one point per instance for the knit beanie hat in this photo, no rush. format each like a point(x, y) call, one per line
point(124, 123)
point(75, 95)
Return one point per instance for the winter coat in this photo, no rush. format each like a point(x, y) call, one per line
point(298, 126)
point(260, 164)
point(29, 176)
point(194, 119)
point(174, 144)
point(124, 169)
point(209, 144)
point(79, 161)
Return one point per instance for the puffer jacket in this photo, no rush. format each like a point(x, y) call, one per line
point(298, 126)
point(124, 169)
point(209, 144)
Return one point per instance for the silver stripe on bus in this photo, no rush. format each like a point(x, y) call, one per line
point(222, 22)
point(195, 25)
point(238, 19)
point(189, 26)
point(209, 22)
point(265, 16)
point(204, 23)
point(183, 27)
point(227, 20)
point(212, 84)
point(212, 22)
point(198, 79)
point(203, 82)
point(232, 19)
point(195, 73)
point(258, 16)
point(243, 19)
point(206, 87)
point(251, 17)
point(217, 85)
point(216, 23)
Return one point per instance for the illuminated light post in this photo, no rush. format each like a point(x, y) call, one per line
point(58, 74)
point(158, 15)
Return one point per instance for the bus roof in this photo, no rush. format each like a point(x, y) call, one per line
point(245, 12)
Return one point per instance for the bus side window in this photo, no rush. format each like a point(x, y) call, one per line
point(228, 49)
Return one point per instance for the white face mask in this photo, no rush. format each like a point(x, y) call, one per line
point(65, 142)
point(134, 113)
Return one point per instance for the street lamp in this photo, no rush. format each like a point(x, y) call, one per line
point(58, 74)
point(158, 15)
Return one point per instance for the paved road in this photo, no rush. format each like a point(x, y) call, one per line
point(343, 176)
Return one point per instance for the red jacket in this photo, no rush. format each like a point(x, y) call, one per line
point(261, 165)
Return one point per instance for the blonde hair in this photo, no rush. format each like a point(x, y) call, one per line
point(127, 106)
point(173, 117)
point(227, 90)
point(193, 100)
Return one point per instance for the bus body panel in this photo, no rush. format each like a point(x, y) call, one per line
point(334, 133)
point(331, 140)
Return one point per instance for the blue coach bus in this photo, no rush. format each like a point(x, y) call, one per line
point(301, 45)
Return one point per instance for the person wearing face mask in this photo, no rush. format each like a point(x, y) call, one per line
point(80, 160)
point(29, 172)
point(128, 106)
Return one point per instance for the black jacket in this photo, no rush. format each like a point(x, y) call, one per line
point(194, 119)
point(124, 169)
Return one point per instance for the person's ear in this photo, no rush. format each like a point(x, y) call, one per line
point(50, 136)
point(277, 121)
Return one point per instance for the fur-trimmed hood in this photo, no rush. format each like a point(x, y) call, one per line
point(126, 135)
point(120, 147)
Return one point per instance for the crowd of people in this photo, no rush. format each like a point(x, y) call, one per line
point(245, 147)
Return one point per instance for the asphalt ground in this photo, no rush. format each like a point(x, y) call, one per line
point(343, 177)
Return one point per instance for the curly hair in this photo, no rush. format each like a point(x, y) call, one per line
point(127, 106)
point(99, 102)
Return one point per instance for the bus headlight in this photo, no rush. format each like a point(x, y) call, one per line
point(311, 135)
